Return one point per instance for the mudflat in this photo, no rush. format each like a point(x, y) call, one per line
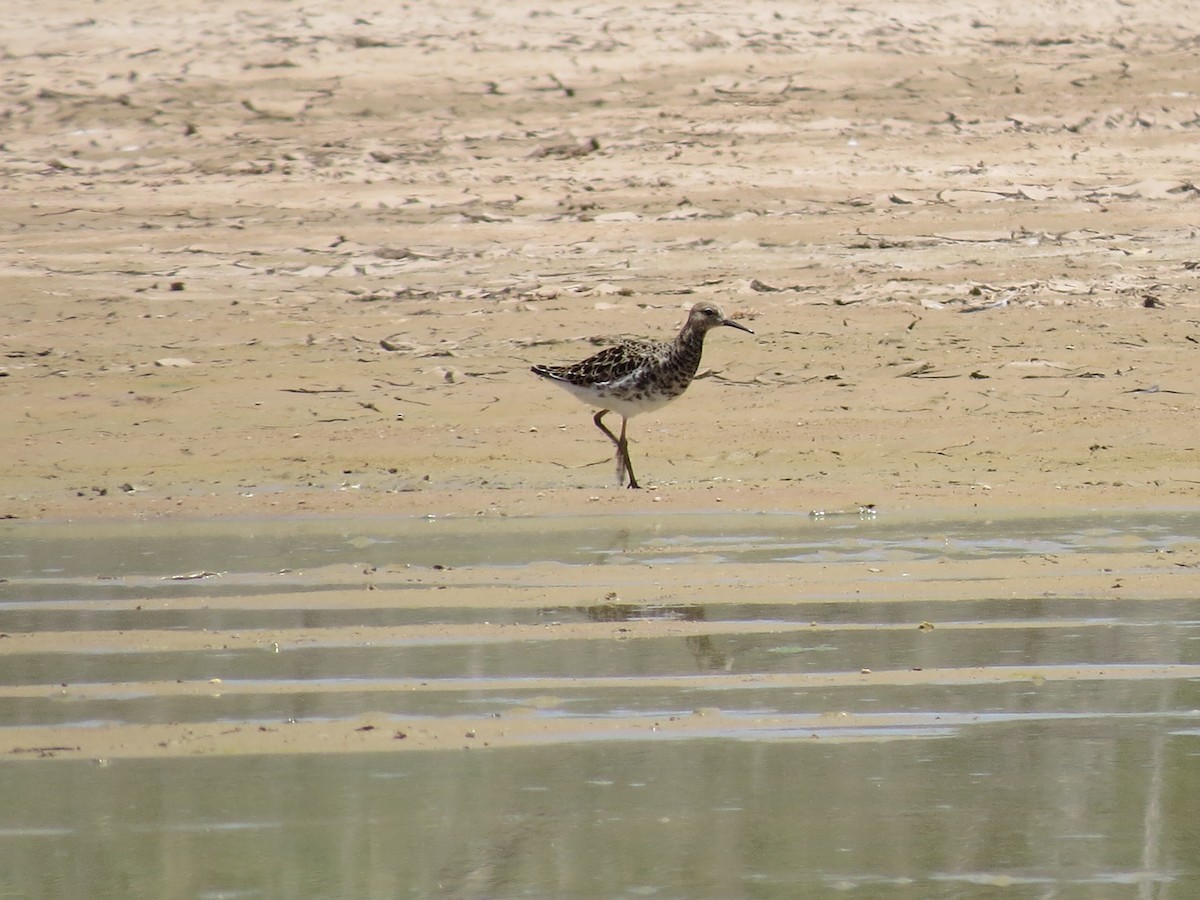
point(291, 261)
point(279, 260)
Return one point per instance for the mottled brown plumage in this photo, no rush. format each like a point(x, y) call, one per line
point(639, 376)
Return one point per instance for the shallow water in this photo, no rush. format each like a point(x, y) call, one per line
point(1069, 811)
point(268, 547)
point(681, 706)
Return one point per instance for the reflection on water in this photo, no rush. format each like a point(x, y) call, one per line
point(272, 549)
point(921, 738)
point(1103, 812)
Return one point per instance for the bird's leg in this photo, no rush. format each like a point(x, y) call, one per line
point(621, 464)
point(598, 419)
point(623, 454)
point(622, 444)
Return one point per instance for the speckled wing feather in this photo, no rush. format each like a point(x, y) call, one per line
point(609, 365)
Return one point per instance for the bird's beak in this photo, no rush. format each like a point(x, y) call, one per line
point(737, 325)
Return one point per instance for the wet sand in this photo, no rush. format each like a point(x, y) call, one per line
point(613, 628)
point(296, 262)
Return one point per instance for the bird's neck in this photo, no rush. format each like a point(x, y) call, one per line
point(687, 349)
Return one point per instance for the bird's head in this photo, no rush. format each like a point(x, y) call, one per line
point(706, 315)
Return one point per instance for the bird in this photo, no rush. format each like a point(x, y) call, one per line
point(637, 376)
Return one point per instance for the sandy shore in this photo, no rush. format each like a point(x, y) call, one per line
point(299, 260)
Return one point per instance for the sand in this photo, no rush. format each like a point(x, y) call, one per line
point(297, 260)
point(217, 221)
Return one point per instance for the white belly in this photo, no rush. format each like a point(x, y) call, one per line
point(623, 403)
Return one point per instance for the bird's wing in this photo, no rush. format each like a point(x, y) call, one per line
point(611, 363)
